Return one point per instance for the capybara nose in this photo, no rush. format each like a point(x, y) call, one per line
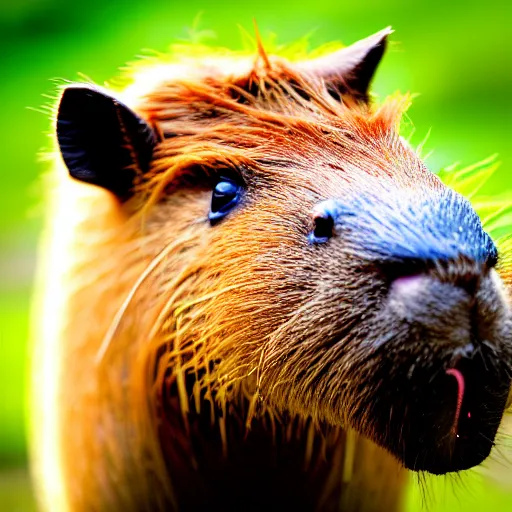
point(442, 310)
point(462, 389)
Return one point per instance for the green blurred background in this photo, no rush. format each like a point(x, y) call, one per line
point(456, 54)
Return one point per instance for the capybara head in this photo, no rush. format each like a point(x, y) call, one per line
point(302, 260)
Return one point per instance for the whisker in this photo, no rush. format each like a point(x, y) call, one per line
point(114, 326)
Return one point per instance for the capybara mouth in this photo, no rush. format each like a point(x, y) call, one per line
point(446, 378)
point(450, 425)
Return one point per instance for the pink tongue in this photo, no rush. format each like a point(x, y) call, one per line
point(460, 395)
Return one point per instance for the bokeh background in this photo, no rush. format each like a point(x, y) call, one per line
point(456, 54)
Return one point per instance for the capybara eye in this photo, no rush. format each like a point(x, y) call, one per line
point(226, 195)
point(323, 227)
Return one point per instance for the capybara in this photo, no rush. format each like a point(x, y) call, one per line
point(253, 295)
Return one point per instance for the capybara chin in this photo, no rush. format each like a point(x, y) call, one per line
point(255, 296)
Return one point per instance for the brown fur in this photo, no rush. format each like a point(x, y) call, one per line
point(180, 374)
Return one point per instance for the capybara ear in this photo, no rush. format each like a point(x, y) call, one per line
point(351, 69)
point(102, 141)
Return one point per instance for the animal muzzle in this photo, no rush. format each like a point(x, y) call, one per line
point(451, 424)
point(448, 395)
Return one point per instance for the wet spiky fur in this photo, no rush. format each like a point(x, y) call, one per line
point(154, 328)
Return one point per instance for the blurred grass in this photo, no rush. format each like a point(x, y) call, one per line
point(456, 54)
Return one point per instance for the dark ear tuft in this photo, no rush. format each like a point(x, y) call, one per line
point(351, 69)
point(362, 74)
point(102, 141)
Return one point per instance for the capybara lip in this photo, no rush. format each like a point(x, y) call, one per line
point(451, 425)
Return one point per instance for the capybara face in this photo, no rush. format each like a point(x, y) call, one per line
point(308, 262)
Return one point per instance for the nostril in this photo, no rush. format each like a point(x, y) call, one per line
point(461, 274)
point(403, 271)
point(492, 257)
